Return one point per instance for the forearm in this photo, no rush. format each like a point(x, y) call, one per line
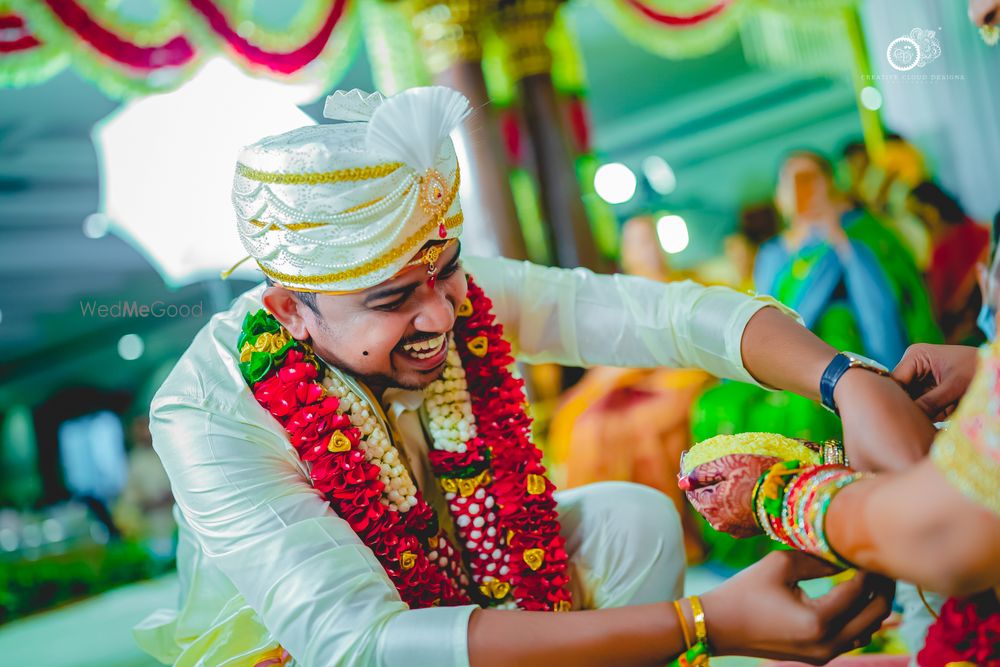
point(915, 526)
point(641, 635)
point(781, 353)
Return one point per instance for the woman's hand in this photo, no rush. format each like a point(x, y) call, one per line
point(722, 491)
point(936, 376)
point(762, 612)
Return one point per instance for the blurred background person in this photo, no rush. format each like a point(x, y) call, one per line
point(958, 244)
point(840, 268)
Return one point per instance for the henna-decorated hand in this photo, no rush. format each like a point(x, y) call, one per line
point(722, 491)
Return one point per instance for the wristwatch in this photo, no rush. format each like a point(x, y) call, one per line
point(842, 363)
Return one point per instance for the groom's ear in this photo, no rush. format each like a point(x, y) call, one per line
point(288, 309)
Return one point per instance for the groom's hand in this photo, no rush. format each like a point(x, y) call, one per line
point(883, 428)
point(762, 611)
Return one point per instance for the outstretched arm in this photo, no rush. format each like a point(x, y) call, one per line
point(578, 318)
point(883, 428)
point(760, 612)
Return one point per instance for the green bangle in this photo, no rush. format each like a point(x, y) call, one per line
point(696, 656)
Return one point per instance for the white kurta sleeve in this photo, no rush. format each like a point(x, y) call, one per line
point(578, 318)
point(319, 590)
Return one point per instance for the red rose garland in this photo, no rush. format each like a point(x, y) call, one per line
point(966, 632)
point(534, 560)
point(299, 402)
point(499, 499)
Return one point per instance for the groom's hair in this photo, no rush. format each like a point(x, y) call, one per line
point(308, 298)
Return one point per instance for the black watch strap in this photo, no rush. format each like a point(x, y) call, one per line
point(831, 376)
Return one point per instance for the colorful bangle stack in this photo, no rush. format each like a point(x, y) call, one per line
point(790, 504)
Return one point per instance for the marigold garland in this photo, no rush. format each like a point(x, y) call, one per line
point(499, 499)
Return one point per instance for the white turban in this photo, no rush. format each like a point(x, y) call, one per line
point(342, 207)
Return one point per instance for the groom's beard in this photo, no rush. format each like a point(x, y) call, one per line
point(378, 382)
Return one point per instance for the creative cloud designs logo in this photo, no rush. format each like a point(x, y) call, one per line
point(918, 49)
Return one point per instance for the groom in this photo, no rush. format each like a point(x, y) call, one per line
point(352, 463)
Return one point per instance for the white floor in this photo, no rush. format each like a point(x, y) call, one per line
point(97, 632)
point(92, 633)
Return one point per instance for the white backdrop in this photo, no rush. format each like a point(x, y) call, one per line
point(950, 107)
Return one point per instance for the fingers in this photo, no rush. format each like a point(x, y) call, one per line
point(909, 367)
point(936, 401)
point(850, 613)
point(843, 600)
point(916, 367)
point(867, 620)
point(798, 566)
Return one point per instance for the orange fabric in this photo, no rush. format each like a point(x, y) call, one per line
point(629, 425)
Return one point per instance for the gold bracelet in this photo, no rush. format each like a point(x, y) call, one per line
point(684, 625)
point(701, 632)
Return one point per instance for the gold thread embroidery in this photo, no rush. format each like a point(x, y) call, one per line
point(295, 226)
point(967, 468)
point(298, 226)
point(407, 246)
point(317, 178)
point(366, 268)
point(966, 453)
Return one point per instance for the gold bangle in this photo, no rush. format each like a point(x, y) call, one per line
point(684, 625)
point(701, 632)
point(753, 502)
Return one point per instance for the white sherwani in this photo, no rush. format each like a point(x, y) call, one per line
point(262, 558)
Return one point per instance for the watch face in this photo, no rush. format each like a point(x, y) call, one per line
point(859, 360)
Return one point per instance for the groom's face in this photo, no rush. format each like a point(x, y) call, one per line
point(394, 334)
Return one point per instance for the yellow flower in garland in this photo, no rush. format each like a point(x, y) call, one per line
point(534, 558)
point(495, 589)
point(266, 342)
point(535, 484)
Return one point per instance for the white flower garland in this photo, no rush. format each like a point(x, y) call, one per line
point(450, 422)
point(400, 492)
point(449, 406)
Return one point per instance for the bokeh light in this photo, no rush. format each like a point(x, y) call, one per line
point(673, 233)
point(615, 183)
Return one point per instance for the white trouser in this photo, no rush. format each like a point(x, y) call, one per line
point(625, 545)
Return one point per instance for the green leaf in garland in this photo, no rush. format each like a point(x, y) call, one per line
point(257, 368)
